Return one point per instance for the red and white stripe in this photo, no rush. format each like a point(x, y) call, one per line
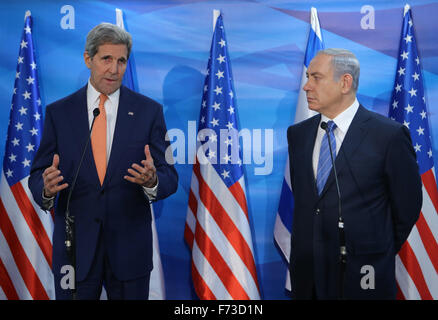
point(218, 232)
point(417, 261)
point(25, 245)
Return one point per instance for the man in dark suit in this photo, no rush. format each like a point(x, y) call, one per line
point(379, 182)
point(124, 168)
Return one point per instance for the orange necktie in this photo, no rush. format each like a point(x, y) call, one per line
point(98, 139)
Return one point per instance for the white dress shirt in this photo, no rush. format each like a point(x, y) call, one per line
point(342, 121)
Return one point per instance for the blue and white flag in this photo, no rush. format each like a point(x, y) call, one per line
point(283, 222)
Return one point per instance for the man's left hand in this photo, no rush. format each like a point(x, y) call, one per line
point(146, 174)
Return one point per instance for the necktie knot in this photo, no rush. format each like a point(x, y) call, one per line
point(102, 100)
point(331, 125)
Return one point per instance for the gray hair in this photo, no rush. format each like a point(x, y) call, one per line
point(344, 61)
point(107, 33)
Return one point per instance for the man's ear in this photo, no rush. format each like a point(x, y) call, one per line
point(87, 59)
point(346, 83)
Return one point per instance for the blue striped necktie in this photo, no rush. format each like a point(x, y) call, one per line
point(324, 162)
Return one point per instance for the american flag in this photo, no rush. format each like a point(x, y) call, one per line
point(25, 230)
point(283, 222)
point(417, 261)
point(217, 226)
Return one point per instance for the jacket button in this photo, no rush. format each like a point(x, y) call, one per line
point(318, 211)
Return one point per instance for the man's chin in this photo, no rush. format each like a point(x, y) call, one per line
point(110, 89)
point(313, 107)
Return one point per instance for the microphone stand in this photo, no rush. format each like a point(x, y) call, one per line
point(70, 235)
point(342, 245)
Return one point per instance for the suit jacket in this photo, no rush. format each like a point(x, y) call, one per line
point(381, 194)
point(118, 208)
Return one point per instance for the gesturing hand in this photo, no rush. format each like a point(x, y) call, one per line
point(51, 177)
point(145, 175)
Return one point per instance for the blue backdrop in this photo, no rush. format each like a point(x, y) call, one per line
point(266, 43)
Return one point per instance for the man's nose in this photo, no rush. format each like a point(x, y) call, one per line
point(306, 86)
point(114, 68)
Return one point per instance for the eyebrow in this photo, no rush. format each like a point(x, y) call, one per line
point(110, 56)
point(316, 73)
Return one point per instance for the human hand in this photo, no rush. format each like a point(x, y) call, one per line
point(51, 177)
point(145, 175)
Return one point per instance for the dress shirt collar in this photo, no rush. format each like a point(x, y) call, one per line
point(343, 120)
point(93, 97)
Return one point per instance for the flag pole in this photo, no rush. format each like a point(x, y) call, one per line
point(407, 7)
point(216, 14)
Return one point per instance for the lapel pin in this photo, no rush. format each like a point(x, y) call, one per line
point(130, 113)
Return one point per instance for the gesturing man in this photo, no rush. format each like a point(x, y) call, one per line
point(123, 169)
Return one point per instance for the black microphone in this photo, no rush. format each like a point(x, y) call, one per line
point(342, 246)
point(70, 220)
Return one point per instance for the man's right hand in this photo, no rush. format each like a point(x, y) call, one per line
point(52, 177)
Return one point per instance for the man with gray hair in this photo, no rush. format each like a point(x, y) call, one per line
point(356, 186)
point(102, 157)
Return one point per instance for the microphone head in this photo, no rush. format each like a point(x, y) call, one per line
point(323, 125)
point(96, 112)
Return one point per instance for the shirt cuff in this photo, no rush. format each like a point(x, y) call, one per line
point(48, 202)
point(151, 193)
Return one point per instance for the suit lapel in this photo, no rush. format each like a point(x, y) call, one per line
point(78, 114)
point(353, 139)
